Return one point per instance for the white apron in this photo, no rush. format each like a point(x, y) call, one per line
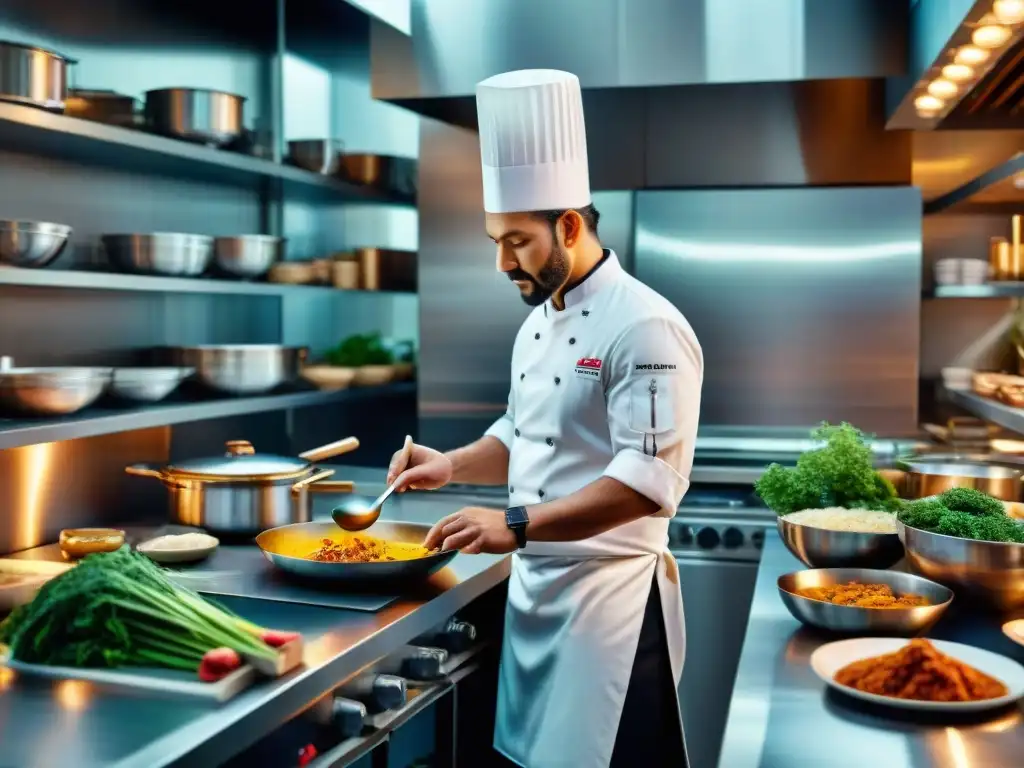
point(582, 406)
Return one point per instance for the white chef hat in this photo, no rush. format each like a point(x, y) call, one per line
point(533, 143)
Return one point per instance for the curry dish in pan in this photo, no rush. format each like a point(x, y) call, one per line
point(345, 547)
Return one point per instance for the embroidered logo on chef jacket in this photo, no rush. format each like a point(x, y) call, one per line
point(589, 368)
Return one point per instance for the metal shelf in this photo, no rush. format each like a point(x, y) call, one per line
point(40, 132)
point(115, 281)
point(997, 290)
point(990, 410)
point(102, 421)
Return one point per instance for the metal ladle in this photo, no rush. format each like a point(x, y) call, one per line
point(355, 515)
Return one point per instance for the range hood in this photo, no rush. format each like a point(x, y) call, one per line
point(637, 43)
point(960, 78)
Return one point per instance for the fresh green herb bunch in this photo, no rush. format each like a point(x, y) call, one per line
point(360, 349)
point(839, 474)
point(964, 513)
point(119, 608)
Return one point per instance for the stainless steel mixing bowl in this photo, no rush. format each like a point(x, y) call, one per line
point(49, 391)
point(317, 155)
point(147, 385)
point(820, 548)
point(243, 369)
point(247, 256)
point(853, 619)
point(160, 253)
point(990, 571)
point(31, 243)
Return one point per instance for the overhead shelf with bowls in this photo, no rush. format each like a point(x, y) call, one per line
point(991, 410)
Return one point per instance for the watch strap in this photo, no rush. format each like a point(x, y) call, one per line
point(517, 519)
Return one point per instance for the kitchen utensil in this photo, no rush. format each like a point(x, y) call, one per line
point(989, 570)
point(196, 114)
point(147, 385)
point(373, 375)
point(383, 269)
point(31, 243)
point(329, 377)
point(242, 369)
point(50, 391)
point(292, 272)
point(828, 659)
point(79, 542)
point(244, 491)
point(354, 515)
point(345, 274)
point(384, 172)
point(277, 541)
point(820, 548)
point(850, 618)
point(930, 478)
point(247, 256)
point(101, 106)
point(33, 76)
point(316, 155)
point(159, 253)
point(169, 555)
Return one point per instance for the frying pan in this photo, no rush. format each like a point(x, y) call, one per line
point(278, 544)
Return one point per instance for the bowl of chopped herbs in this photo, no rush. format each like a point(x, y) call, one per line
point(965, 539)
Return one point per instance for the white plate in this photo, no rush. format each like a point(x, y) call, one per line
point(831, 657)
point(1015, 630)
point(168, 556)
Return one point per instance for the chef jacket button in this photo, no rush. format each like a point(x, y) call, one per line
point(517, 433)
point(522, 376)
point(549, 441)
point(557, 380)
point(536, 335)
point(540, 493)
point(572, 340)
point(511, 489)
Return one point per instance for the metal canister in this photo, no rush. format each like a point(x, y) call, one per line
point(32, 75)
point(1004, 259)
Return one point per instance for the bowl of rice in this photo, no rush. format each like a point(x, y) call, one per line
point(842, 538)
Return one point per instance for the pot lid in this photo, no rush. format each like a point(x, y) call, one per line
point(241, 462)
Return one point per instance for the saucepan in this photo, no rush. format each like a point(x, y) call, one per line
point(290, 548)
point(244, 492)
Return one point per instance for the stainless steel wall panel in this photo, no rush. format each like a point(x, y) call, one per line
point(771, 134)
point(806, 301)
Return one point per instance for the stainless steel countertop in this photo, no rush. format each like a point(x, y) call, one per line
point(781, 715)
point(73, 723)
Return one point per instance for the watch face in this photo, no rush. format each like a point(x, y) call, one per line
point(515, 516)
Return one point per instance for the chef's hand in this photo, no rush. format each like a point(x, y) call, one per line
point(419, 468)
point(473, 530)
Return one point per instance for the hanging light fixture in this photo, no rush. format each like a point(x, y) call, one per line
point(971, 55)
point(928, 106)
point(958, 73)
point(942, 89)
point(991, 36)
point(1009, 11)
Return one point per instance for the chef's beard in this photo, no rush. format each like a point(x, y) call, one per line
point(549, 279)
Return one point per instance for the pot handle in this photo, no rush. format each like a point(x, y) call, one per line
point(330, 450)
point(319, 475)
point(144, 470)
point(332, 486)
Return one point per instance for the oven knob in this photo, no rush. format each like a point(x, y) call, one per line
point(732, 538)
point(757, 539)
point(707, 538)
point(681, 535)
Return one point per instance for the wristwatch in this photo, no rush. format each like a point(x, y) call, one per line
point(516, 519)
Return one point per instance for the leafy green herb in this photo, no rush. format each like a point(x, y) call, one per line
point(964, 513)
point(360, 349)
point(120, 609)
point(839, 474)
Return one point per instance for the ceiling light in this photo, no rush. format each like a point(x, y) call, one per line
point(991, 36)
point(1009, 11)
point(1018, 181)
point(928, 103)
point(957, 73)
point(943, 89)
point(969, 54)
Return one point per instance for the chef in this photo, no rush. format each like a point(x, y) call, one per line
point(595, 447)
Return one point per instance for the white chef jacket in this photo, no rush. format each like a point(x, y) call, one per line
point(594, 387)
